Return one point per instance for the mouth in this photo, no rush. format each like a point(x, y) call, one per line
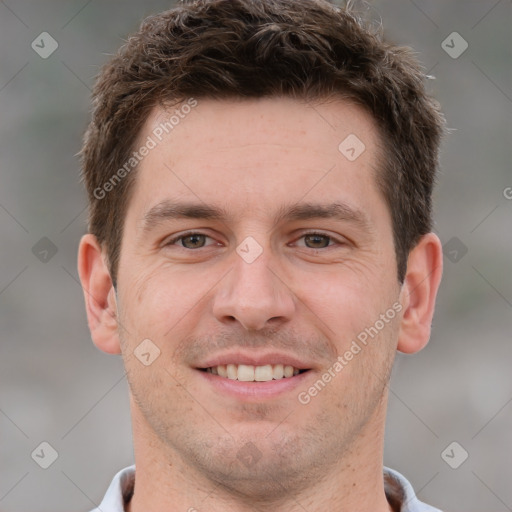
point(252, 373)
point(252, 377)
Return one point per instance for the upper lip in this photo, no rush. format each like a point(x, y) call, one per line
point(254, 359)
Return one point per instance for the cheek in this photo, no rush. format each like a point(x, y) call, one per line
point(158, 300)
point(345, 299)
point(355, 312)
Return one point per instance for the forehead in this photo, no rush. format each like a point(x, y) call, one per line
point(255, 155)
point(282, 120)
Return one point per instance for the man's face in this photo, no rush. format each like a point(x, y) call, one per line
point(259, 277)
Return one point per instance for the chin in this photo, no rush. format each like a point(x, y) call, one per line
point(260, 469)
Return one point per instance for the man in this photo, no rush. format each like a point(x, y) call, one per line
point(260, 176)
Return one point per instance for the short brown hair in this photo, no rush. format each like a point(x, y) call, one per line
point(305, 49)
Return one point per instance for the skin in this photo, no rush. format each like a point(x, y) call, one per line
point(304, 296)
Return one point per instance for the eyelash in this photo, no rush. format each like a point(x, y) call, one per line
point(172, 241)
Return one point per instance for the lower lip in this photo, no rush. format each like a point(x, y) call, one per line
point(254, 390)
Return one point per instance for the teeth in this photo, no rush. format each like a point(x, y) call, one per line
point(232, 371)
point(278, 372)
point(288, 371)
point(250, 373)
point(245, 372)
point(263, 373)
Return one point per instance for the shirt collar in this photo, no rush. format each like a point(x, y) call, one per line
point(120, 492)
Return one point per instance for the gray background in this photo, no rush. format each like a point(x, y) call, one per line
point(56, 387)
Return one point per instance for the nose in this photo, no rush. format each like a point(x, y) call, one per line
point(254, 295)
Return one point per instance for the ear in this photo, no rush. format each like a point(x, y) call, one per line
point(418, 294)
point(100, 296)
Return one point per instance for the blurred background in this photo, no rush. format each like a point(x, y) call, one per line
point(450, 413)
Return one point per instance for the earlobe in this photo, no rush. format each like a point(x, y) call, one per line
point(418, 294)
point(99, 294)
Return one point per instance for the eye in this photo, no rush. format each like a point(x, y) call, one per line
point(317, 241)
point(190, 240)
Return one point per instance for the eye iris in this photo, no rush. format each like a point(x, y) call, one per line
point(195, 241)
point(317, 241)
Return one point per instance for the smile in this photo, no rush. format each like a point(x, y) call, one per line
point(251, 373)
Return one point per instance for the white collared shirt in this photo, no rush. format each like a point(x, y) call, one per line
point(121, 490)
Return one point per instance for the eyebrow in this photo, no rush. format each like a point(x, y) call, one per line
point(168, 210)
point(336, 211)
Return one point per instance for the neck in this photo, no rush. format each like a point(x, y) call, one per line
point(164, 481)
